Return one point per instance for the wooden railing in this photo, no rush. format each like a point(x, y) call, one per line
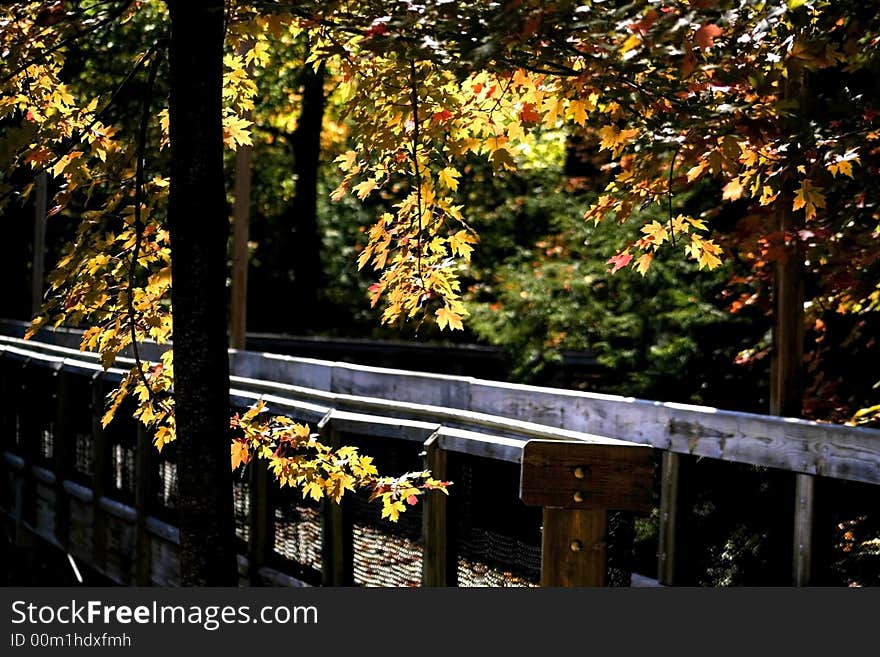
point(440, 416)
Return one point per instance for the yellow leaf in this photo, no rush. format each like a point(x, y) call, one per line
point(733, 190)
point(697, 171)
point(644, 262)
point(446, 317)
point(392, 510)
point(236, 132)
point(346, 161)
point(460, 243)
point(578, 110)
point(809, 198)
point(655, 233)
point(842, 167)
point(364, 188)
point(448, 178)
point(697, 223)
point(632, 42)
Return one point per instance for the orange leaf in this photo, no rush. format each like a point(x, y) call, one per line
point(240, 453)
point(733, 190)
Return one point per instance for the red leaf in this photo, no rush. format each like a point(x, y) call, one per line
point(442, 116)
point(705, 36)
point(412, 500)
point(619, 261)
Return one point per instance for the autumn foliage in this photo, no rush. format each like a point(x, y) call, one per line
point(765, 108)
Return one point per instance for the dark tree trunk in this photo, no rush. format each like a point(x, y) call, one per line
point(302, 216)
point(199, 227)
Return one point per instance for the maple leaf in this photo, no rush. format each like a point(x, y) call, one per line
point(236, 132)
point(448, 178)
point(446, 317)
point(364, 188)
point(240, 453)
point(346, 160)
point(843, 164)
point(578, 109)
point(655, 233)
point(809, 198)
point(697, 171)
point(733, 190)
point(705, 35)
point(612, 139)
point(502, 159)
point(619, 261)
point(528, 114)
point(460, 243)
point(392, 510)
point(644, 262)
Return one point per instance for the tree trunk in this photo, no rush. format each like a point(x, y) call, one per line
point(199, 227)
point(302, 217)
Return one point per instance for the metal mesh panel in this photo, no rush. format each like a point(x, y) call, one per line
point(47, 442)
point(78, 426)
point(242, 502)
point(297, 534)
point(498, 538)
point(82, 454)
point(386, 553)
point(166, 492)
point(381, 559)
point(121, 438)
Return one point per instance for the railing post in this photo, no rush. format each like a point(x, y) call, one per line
point(577, 483)
point(337, 534)
point(99, 473)
point(669, 506)
point(438, 562)
point(61, 456)
point(803, 529)
point(29, 443)
point(143, 490)
point(261, 522)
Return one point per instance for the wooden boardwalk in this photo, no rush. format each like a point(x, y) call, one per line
point(444, 417)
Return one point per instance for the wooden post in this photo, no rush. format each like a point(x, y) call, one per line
point(669, 505)
point(337, 537)
point(577, 483)
point(262, 527)
point(62, 453)
point(573, 547)
point(803, 529)
point(438, 564)
point(143, 489)
point(29, 444)
point(38, 268)
point(99, 474)
point(240, 230)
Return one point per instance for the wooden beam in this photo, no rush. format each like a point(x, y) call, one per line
point(62, 455)
point(577, 484)
point(337, 536)
point(803, 530)
point(99, 473)
point(573, 547)
point(262, 527)
point(513, 410)
point(438, 565)
point(143, 490)
point(669, 507)
point(578, 475)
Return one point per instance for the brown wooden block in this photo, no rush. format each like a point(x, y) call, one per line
point(581, 475)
